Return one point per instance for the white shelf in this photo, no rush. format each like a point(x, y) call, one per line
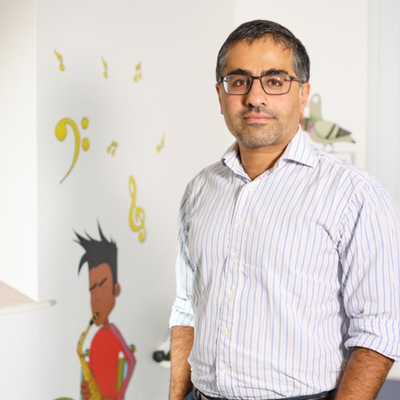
point(12, 301)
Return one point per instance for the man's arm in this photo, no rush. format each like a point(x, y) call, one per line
point(364, 375)
point(181, 346)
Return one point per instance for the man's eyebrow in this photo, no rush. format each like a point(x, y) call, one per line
point(271, 71)
point(102, 282)
point(274, 71)
point(239, 71)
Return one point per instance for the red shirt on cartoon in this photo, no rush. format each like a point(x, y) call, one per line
point(105, 349)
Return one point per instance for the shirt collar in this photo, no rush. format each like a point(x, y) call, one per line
point(299, 150)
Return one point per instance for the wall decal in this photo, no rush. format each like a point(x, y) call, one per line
point(61, 60)
point(61, 133)
point(136, 214)
point(112, 147)
point(323, 131)
point(104, 372)
point(138, 72)
point(161, 145)
point(90, 382)
point(105, 73)
point(64, 398)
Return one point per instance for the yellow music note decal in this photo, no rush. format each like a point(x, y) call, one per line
point(136, 214)
point(138, 72)
point(61, 60)
point(160, 146)
point(61, 134)
point(112, 147)
point(105, 68)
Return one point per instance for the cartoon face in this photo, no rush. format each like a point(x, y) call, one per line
point(102, 293)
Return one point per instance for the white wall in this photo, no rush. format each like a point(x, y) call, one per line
point(384, 94)
point(18, 160)
point(176, 97)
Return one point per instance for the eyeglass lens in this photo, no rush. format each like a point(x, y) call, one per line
point(272, 84)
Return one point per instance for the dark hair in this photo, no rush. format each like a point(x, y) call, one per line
point(98, 252)
point(253, 30)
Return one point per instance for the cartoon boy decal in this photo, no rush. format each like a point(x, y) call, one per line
point(108, 342)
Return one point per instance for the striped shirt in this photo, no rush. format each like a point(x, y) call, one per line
point(281, 275)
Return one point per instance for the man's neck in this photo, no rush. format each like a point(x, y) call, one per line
point(256, 161)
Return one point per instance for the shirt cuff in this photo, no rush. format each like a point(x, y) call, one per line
point(182, 313)
point(382, 336)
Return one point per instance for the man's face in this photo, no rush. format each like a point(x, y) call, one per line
point(257, 119)
point(102, 295)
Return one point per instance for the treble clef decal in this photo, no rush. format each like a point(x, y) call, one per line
point(136, 214)
point(61, 134)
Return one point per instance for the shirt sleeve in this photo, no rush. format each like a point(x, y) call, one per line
point(370, 260)
point(182, 312)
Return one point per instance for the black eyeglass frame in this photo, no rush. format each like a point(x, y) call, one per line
point(287, 76)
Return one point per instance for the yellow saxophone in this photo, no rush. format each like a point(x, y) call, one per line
point(95, 392)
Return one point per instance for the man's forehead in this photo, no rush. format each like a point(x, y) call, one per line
point(261, 54)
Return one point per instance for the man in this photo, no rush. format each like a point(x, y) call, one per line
point(108, 343)
point(288, 270)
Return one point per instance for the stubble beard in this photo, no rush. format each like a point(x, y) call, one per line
point(257, 135)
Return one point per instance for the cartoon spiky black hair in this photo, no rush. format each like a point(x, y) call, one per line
point(98, 252)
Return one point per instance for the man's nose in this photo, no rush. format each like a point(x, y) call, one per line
point(256, 96)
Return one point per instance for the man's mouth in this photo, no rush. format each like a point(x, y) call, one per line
point(257, 118)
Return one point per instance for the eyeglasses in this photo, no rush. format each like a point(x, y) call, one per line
point(274, 85)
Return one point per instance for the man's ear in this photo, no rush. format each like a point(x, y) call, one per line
point(304, 95)
point(117, 289)
point(218, 89)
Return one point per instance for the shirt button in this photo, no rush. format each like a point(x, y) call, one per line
point(240, 221)
point(229, 294)
point(225, 332)
point(224, 368)
point(234, 257)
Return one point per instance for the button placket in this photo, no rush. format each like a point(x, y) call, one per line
point(231, 277)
